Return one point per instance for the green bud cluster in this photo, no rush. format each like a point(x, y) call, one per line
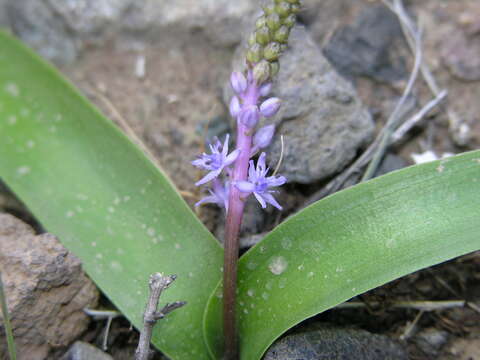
point(270, 37)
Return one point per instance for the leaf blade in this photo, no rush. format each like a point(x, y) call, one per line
point(351, 242)
point(89, 185)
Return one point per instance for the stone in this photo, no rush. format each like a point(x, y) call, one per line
point(322, 120)
point(46, 290)
point(366, 47)
point(4, 22)
point(460, 54)
point(390, 162)
point(330, 342)
point(431, 340)
point(60, 30)
point(464, 349)
point(84, 351)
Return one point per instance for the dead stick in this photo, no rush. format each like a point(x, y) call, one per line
point(158, 282)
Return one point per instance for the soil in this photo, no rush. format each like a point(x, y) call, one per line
point(180, 96)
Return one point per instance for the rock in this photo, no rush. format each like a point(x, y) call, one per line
point(322, 120)
point(4, 22)
point(460, 53)
point(431, 340)
point(336, 343)
point(366, 47)
point(464, 349)
point(84, 351)
point(390, 162)
point(60, 29)
point(46, 290)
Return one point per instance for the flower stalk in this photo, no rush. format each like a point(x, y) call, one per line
point(242, 177)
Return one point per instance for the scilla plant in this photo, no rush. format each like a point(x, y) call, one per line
point(110, 205)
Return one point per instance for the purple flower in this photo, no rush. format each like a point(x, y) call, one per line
point(259, 184)
point(235, 106)
point(216, 161)
point(263, 137)
point(218, 194)
point(265, 89)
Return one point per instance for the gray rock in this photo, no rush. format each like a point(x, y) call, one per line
point(431, 340)
point(84, 351)
point(390, 162)
point(332, 343)
point(366, 47)
point(61, 29)
point(46, 290)
point(322, 120)
point(4, 22)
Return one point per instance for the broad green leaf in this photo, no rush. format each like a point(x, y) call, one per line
point(351, 242)
point(89, 185)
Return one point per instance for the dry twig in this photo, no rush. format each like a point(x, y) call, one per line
point(158, 282)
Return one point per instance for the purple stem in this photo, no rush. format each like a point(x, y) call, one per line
point(232, 228)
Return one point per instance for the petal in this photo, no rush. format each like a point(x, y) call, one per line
point(270, 107)
point(225, 146)
point(260, 200)
point(252, 175)
point(245, 186)
point(276, 180)
point(232, 157)
point(198, 163)
point(210, 176)
point(271, 200)
point(207, 199)
point(261, 163)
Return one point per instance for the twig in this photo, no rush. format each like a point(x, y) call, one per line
point(158, 282)
point(281, 157)
point(394, 118)
point(100, 315)
point(459, 135)
point(7, 324)
point(415, 305)
point(410, 123)
point(411, 327)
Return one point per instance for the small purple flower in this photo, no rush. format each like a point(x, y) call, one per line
point(265, 89)
point(259, 184)
point(218, 194)
point(238, 82)
point(270, 107)
point(216, 161)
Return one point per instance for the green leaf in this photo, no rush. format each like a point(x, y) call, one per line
point(351, 242)
point(89, 185)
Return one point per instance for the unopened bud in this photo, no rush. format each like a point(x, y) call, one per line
point(262, 36)
point(254, 53)
point(273, 22)
point(283, 9)
point(261, 72)
point(270, 107)
point(261, 22)
point(290, 20)
point(234, 106)
point(281, 35)
point(238, 82)
point(295, 9)
point(272, 51)
point(265, 89)
point(249, 116)
point(263, 137)
point(274, 68)
point(268, 8)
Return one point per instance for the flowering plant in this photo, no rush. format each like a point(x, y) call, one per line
point(109, 204)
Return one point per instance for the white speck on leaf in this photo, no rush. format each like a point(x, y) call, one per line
point(23, 170)
point(12, 120)
point(12, 89)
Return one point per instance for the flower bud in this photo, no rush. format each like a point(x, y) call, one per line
point(261, 72)
point(270, 107)
point(274, 68)
point(273, 22)
point(263, 137)
point(261, 22)
point(238, 82)
point(268, 8)
point(262, 35)
point(265, 89)
point(249, 116)
point(272, 51)
point(295, 9)
point(281, 35)
point(283, 9)
point(254, 53)
point(290, 20)
point(252, 39)
point(234, 106)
